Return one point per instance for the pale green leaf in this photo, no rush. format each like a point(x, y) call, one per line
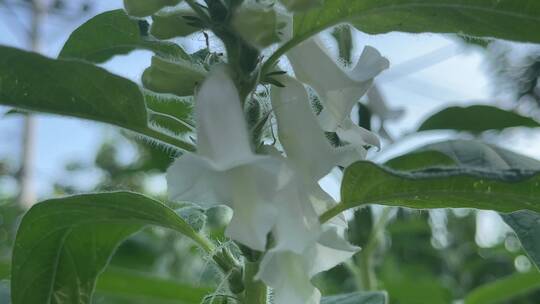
point(115, 33)
point(63, 244)
point(35, 83)
point(476, 119)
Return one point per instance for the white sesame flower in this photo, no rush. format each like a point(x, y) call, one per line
point(289, 274)
point(225, 170)
point(301, 136)
point(262, 190)
point(338, 89)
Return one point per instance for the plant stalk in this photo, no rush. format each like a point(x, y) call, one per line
point(256, 291)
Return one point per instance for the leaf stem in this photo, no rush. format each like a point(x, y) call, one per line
point(276, 55)
point(332, 212)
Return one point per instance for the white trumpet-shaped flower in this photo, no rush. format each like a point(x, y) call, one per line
point(289, 274)
point(225, 170)
point(308, 150)
point(301, 136)
point(339, 90)
point(261, 189)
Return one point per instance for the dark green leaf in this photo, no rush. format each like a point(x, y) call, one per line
point(505, 19)
point(63, 244)
point(476, 119)
point(357, 298)
point(420, 160)
point(115, 33)
point(132, 285)
point(177, 23)
point(36, 83)
point(504, 290)
point(503, 190)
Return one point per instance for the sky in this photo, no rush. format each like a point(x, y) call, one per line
point(428, 72)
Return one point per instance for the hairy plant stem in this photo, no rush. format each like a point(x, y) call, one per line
point(256, 291)
point(244, 62)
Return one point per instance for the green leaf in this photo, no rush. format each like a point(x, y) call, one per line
point(526, 225)
point(63, 244)
point(475, 154)
point(504, 19)
point(357, 298)
point(463, 153)
point(35, 83)
point(175, 23)
point(133, 286)
point(476, 119)
point(504, 290)
point(420, 160)
point(143, 8)
point(503, 190)
point(115, 33)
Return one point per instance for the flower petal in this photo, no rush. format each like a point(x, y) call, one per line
point(356, 135)
point(254, 199)
point(297, 224)
point(222, 134)
point(331, 250)
point(190, 177)
point(338, 89)
point(322, 201)
point(302, 138)
point(370, 64)
point(325, 76)
point(287, 274)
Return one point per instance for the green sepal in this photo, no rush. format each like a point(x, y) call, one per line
point(178, 77)
point(178, 23)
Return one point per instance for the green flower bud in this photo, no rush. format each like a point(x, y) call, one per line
point(300, 5)
point(258, 25)
point(217, 219)
point(143, 8)
point(178, 23)
point(177, 77)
